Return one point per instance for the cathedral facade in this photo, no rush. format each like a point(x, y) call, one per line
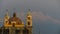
point(14, 25)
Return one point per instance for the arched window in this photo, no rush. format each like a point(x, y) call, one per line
point(28, 23)
point(13, 24)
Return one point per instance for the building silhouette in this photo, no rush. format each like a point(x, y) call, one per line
point(14, 25)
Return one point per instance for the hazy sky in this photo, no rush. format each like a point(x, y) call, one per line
point(52, 7)
point(43, 10)
point(46, 7)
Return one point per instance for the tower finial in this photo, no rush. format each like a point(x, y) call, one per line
point(6, 9)
point(29, 9)
point(14, 9)
point(14, 14)
point(29, 12)
point(6, 12)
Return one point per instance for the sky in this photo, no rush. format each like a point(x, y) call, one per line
point(46, 13)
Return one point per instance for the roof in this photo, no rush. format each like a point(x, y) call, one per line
point(16, 19)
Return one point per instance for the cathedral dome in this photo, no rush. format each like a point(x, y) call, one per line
point(16, 19)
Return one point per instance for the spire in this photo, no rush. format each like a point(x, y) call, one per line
point(29, 9)
point(29, 12)
point(14, 9)
point(14, 14)
point(6, 12)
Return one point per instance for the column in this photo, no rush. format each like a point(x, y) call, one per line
point(2, 30)
point(30, 31)
point(13, 30)
point(21, 32)
point(10, 32)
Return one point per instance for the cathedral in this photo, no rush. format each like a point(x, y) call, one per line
point(14, 25)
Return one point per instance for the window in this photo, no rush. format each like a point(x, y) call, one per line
point(6, 21)
point(13, 24)
point(29, 18)
point(28, 23)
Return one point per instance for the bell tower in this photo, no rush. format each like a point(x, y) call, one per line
point(6, 18)
point(29, 19)
point(29, 22)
